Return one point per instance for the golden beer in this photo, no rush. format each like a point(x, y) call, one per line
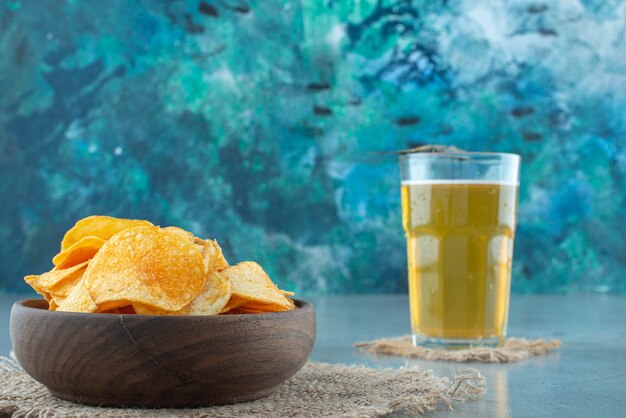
point(460, 247)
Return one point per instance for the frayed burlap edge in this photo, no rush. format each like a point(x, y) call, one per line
point(318, 390)
point(513, 350)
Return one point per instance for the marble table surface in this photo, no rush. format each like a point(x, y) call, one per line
point(585, 377)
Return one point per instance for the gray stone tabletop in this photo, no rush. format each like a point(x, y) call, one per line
point(586, 377)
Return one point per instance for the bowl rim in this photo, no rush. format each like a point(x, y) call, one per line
point(301, 305)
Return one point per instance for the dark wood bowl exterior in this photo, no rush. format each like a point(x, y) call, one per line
point(160, 361)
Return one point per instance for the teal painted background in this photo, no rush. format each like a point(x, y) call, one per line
point(257, 123)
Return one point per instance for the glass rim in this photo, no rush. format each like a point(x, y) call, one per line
point(460, 155)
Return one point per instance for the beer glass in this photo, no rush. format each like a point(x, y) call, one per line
point(459, 212)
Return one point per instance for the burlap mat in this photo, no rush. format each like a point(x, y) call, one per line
point(513, 350)
point(318, 390)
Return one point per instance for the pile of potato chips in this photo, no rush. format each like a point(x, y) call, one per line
point(112, 265)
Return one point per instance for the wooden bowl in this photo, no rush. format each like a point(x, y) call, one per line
point(160, 361)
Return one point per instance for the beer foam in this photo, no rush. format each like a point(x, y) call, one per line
point(456, 181)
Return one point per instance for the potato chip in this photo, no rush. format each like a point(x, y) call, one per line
point(61, 291)
point(125, 266)
point(78, 300)
point(212, 299)
point(244, 310)
point(213, 257)
point(250, 308)
point(103, 227)
point(147, 265)
point(112, 306)
point(252, 284)
point(56, 276)
point(233, 303)
point(124, 310)
point(262, 307)
point(141, 309)
point(214, 296)
point(211, 251)
point(33, 281)
point(46, 283)
point(186, 234)
point(127, 310)
point(112, 311)
point(81, 251)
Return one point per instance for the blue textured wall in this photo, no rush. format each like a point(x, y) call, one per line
point(254, 123)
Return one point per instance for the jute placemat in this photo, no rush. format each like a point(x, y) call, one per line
point(513, 350)
point(318, 390)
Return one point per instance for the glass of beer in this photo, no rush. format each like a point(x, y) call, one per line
point(459, 211)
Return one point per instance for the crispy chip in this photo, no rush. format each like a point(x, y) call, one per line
point(61, 290)
point(262, 307)
point(142, 309)
point(33, 281)
point(56, 276)
point(255, 308)
point(212, 299)
point(55, 281)
point(186, 234)
point(112, 311)
point(112, 306)
point(147, 265)
point(124, 310)
point(233, 303)
point(125, 266)
point(103, 227)
point(78, 300)
point(81, 251)
point(211, 251)
point(252, 284)
point(127, 310)
point(213, 257)
point(241, 306)
point(244, 310)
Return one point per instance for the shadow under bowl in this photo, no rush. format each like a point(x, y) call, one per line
point(160, 361)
